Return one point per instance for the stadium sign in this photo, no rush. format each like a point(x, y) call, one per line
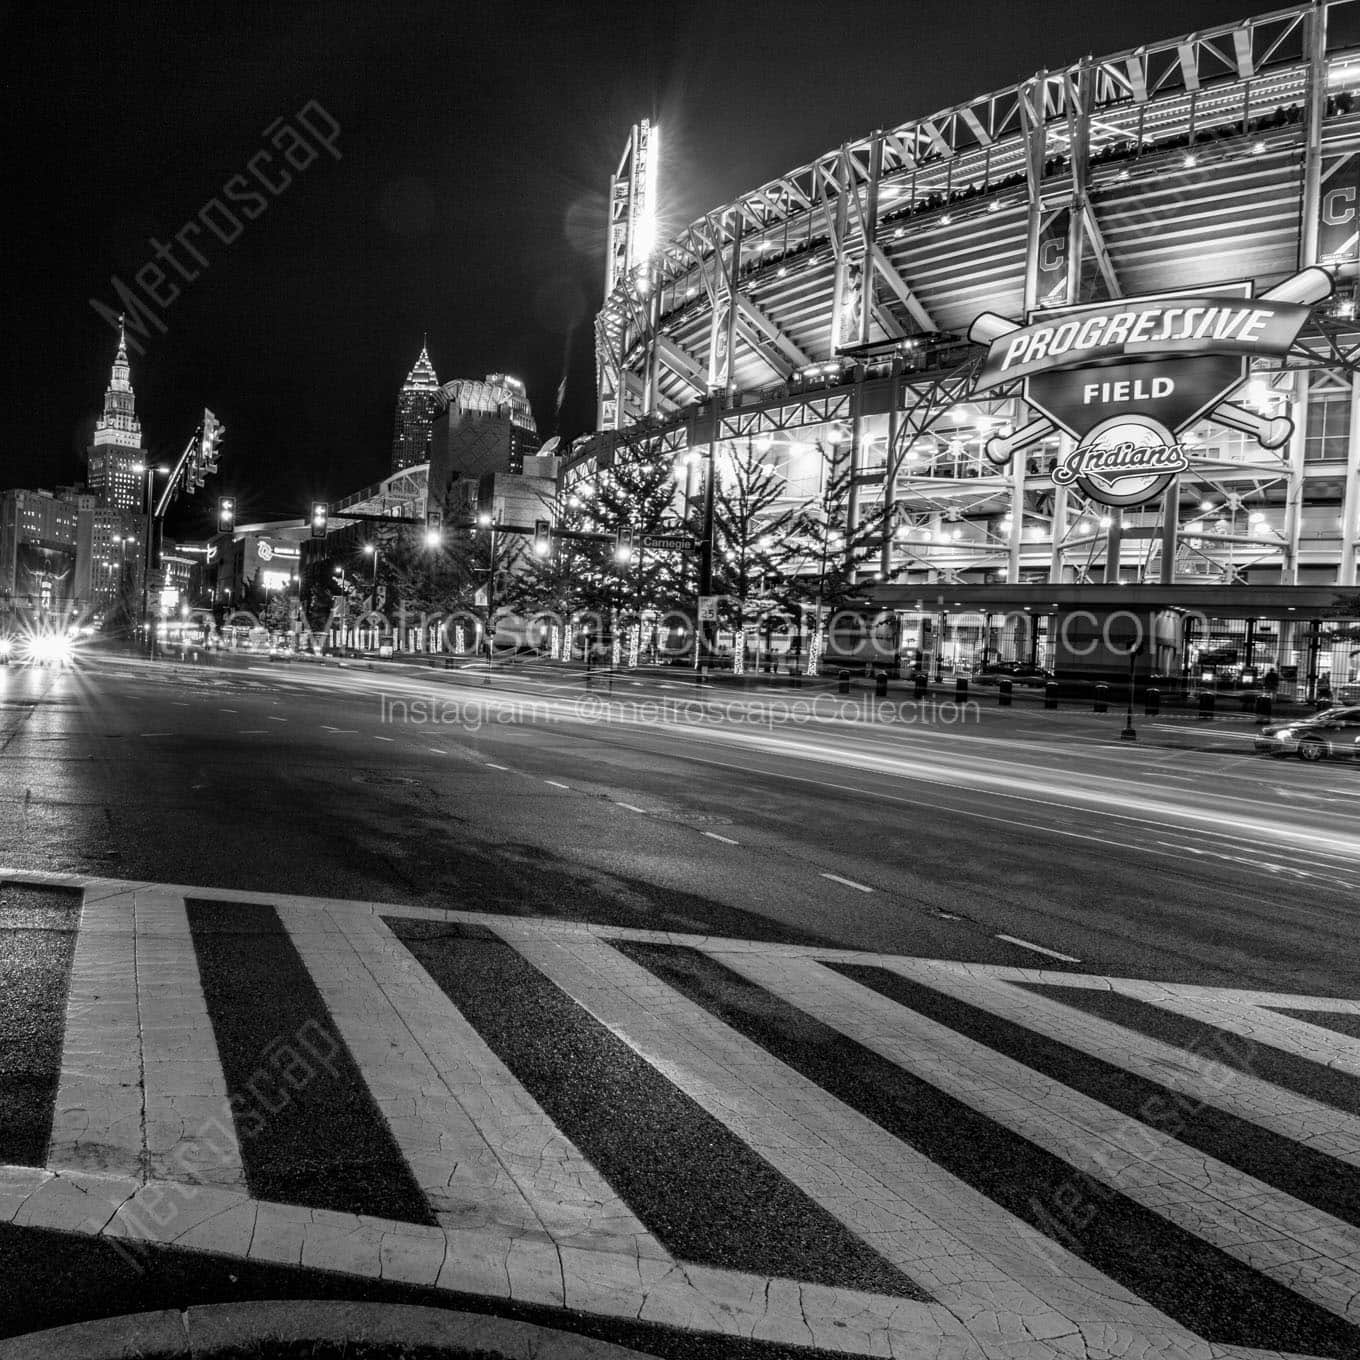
point(1126, 378)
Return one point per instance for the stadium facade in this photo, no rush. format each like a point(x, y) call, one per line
point(839, 305)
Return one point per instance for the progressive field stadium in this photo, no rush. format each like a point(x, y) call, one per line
point(828, 312)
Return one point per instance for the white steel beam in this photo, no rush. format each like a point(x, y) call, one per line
point(902, 290)
point(771, 331)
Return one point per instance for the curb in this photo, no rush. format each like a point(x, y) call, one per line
point(241, 1329)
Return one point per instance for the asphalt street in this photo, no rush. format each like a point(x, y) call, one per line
point(922, 829)
point(713, 1020)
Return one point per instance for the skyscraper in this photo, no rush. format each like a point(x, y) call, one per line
point(117, 442)
point(417, 404)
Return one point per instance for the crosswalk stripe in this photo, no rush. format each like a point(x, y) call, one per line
point(1337, 1051)
point(97, 1116)
point(483, 1153)
point(190, 1134)
point(141, 1116)
point(1322, 1128)
point(926, 1222)
point(1267, 1230)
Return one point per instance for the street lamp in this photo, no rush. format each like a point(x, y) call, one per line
point(152, 470)
point(1128, 734)
point(486, 521)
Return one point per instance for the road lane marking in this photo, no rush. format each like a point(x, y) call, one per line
point(251, 731)
point(554, 784)
point(630, 807)
point(156, 734)
point(438, 750)
point(376, 738)
point(490, 766)
point(274, 719)
point(226, 710)
point(713, 836)
point(849, 882)
point(1038, 948)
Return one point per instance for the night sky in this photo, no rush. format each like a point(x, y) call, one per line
point(475, 147)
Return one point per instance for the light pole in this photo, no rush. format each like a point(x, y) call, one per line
point(487, 521)
point(149, 552)
point(1128, 734)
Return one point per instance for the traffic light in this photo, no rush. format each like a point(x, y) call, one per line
point(542, 537)
point(209, 446)
point(226, 514)
point(319, 519)
point(623, 545)
point(434, 526)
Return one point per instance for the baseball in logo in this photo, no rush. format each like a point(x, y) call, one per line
point(1126, 378)
point(1125, 460)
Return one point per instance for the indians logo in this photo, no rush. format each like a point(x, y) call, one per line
point(1125, 460)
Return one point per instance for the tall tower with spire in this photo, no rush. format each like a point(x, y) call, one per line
point(117, 442)
point(417, 405)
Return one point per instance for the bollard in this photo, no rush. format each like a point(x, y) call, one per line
point(1004, 691)
point(843, 682)
point(1152, 702)
point(1263, 707)
point(1206, 705)
point(881, 684)
point(1051, 694)
point(920, 685)
point(961, 688)
point(1102, 704)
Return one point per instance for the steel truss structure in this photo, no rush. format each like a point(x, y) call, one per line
point(829, 304)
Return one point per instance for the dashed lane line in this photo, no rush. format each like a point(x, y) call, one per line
point(849, 882)
point(490, 766)
point(384, 738)
point(438, 750)
point(155, 734)
point(251, 731)
point(631, 807)
point(713, 836)
point(554, 784)
point(1037, 948)
point(274, 719)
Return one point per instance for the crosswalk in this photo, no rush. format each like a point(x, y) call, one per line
point(872, 1154)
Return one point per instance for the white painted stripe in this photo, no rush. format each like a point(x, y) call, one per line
point(190, 1133)
point(482, 1150)
point(251, 731)
point(1322, 1128)
point(552, 783)
point(438, 750)
point(973, 1257)
point(630, 807)
point(849, 882)
point(155, 734)
point(1341, 1052)
point(376, 738)
point(1037, 948)
point(97, 1118)
point(490, 766)
point(274, 719)
point(226, 710)
point(713, 835)
point(1308, 1251)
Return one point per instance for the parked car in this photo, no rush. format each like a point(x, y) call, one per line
point(1333, 734)
point(1018, 672)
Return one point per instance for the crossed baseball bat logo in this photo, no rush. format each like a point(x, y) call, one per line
point(1307, 287)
